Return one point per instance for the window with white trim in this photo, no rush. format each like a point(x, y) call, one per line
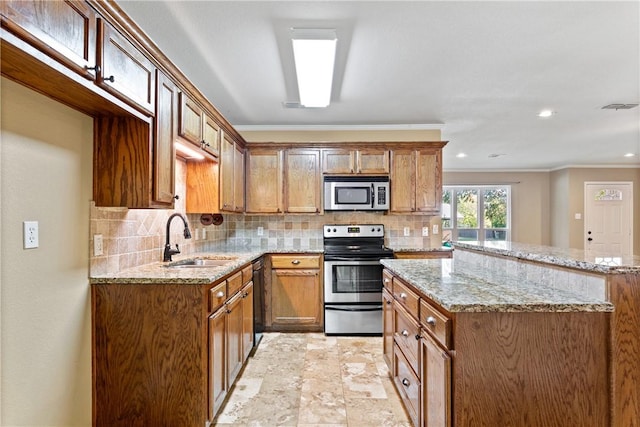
point(476, 213)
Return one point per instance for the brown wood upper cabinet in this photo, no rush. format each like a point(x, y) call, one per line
point(64, 30)
point(124, 70)
point(302, 181)
point(231, 175)
point(416, 180)
point(366, 161)
point(264, 181)
point(164, 135)
point(197, 127)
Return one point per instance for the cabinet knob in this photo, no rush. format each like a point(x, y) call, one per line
point(417, 337)
point(109, 79)
point(403, 295)
point(431, 321)
point(295, 262)
point(220, 294)
point(406, 382)
point(386, 280)
point(177, 197)
point(405, 333)
point(96, 69)
point(388, 302)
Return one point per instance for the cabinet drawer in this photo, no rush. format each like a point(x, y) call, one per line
point(247, 274)
point(408, 385)
point(406, 297)
point(435, 322)
point(217, 295)
point(295, 261)
point(407, 335)
point(387, 280)
point(234, 283)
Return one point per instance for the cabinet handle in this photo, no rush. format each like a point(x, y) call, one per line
point(431, 321)
point(109, 79)
point(405, 333)
point(220, 294)
point(406, 382)
point(403, 295)
point(96, 69)
point(295, 262)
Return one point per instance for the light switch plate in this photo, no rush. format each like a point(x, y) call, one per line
point(425, 231)
point(204, 233)
point(436, 229)
point(407, 231)
point(98, 247)
point(30, 235)
point(260, 231)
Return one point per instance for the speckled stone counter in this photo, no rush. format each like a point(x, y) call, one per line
point(460, 287)
point(419, 249)
point(561, 257)
point(160, 273)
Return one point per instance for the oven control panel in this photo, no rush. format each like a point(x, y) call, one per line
point(353, 230)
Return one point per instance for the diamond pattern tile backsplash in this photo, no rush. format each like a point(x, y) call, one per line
point(133, 237)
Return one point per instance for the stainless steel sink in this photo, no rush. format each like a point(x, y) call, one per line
point(201, 263)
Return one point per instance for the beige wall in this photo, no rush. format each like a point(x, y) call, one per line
point(342, 135)
point(559, 187)
point(529, 200)
point(46, 156)
point(577, 178)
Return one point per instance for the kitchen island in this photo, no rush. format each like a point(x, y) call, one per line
point(530, 336)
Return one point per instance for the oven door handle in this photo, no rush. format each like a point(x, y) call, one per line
point(333, 258)
point(373, 196)
point(369, 308)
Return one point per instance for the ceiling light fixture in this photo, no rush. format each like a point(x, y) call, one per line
point(188, 152)
point(461, 155)
point(629, 155)
point(546, 113)
point(314, 53)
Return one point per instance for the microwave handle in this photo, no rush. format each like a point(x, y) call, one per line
point(373, 196)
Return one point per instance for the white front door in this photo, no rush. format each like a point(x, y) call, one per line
point(608, 218)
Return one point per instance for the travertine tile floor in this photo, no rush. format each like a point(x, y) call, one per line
point(313, 380)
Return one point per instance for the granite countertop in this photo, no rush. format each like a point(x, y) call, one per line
point(162, 273)
point(463, 288)
point(572, 258)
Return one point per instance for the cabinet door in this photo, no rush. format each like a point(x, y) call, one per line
point(65, 30)
point(372, 161)
point(296, 299)
point(428, 181)
point(124, 70)
point(202, 187)
point(190, 117)
point(264, 181)
point(165, 134)
point(247, 320)
point(388, 329)
point(227, 151)
point(210, 135)
point(403, 181)
point(217, 360)
point(302, 181)
point(238, 179)
point(436, 384)
point(338, 161)
point(235, 356)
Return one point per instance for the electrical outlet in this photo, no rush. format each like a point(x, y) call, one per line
point(407, 231)
point(197, 236)
point(425, 231)
point(435, 229)
point(98, 247)
point(260, 231)
point(30, 229)
point(204, 233)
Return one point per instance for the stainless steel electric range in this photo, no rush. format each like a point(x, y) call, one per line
point(353, 278)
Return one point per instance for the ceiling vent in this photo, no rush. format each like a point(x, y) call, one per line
point(619, 106)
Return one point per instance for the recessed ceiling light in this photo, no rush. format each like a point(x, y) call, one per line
point(629, 155)
point(461, 155)
point(546, 113)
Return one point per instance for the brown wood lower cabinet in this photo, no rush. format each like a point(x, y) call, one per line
point(167, 354)
point(294, 293)
point(498, 368)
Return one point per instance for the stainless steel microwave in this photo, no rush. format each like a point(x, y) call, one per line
point(356, 193)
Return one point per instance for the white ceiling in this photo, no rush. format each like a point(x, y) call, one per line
point(480, 70)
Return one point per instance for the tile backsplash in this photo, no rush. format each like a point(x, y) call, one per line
point(133, 237)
